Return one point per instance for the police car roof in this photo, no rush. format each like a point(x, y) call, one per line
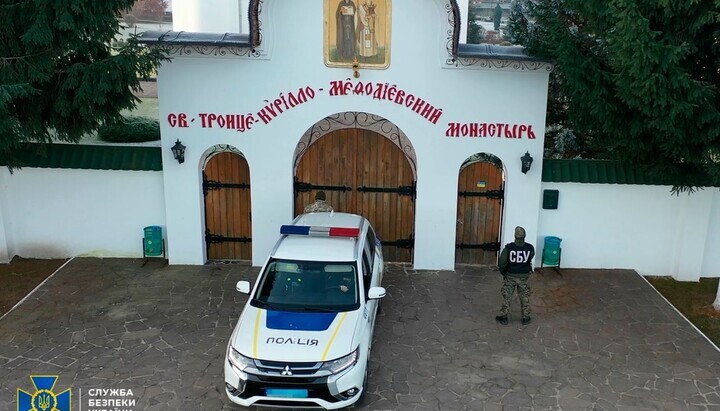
point(310, 248)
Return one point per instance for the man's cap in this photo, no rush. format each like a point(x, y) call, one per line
point(519, 232)
point(320, 195)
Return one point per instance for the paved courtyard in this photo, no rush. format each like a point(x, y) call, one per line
point(600, 340)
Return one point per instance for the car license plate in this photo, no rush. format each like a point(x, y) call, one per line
point(286, 392)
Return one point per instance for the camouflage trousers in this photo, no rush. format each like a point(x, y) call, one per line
point(507, 291)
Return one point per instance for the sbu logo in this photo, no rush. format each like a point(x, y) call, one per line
point(44, 399)
point(519, 256)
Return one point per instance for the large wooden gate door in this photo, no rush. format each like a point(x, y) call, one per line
point(226, 184)
point(362, 172)
point(480, 195)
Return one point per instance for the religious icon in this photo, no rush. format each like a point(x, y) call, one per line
point(357, 31)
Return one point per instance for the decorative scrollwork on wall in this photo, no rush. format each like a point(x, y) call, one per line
point(206, 50)
point(220, 49)
point(257, 27)
point(450, 44)
point(520, 65)
point(217, 149)
point(483, 157)
point(355, 119)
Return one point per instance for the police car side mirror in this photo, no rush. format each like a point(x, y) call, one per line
point(243, 287)
point(376, 293)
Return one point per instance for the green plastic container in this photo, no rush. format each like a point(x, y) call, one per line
point(153, 241)
point(551, 251)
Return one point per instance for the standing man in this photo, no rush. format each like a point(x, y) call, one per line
point(345, 26)
point(516, 266)
point(319, 205)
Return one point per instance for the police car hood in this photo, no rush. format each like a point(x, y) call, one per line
point(295, 336)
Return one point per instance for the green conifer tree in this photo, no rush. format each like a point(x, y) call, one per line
point(476, 33)
point(59, 77)
point(517, 27)
point(637, 80)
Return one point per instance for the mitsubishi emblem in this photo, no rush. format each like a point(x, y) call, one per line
point(286, 371)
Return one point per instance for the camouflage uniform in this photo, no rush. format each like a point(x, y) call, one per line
point(507, 290)
point(318, 206)
point(515, 264)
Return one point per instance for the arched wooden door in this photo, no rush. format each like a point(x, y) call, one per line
point(480, 199)
point(226, 184)
point(364, 173)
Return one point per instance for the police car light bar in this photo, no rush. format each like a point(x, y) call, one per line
point(319, 231)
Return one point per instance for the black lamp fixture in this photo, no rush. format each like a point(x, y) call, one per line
point(526, 162)
point(178, 151)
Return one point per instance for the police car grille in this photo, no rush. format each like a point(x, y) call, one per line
point(290, 380)
point(257, 386)
point(296, 368)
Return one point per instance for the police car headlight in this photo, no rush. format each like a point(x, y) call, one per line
point(343, 363)
point(238, 360)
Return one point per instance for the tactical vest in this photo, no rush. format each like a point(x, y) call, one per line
point(520, 258)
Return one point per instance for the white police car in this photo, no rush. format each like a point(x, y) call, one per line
point(304, 336)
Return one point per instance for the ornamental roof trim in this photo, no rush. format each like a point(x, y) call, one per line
point(459, 55)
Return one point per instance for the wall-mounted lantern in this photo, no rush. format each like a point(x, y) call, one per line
point(526, 162)
point(178, 151)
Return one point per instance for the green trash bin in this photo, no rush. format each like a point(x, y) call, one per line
point(153, 241)
point(551, 251)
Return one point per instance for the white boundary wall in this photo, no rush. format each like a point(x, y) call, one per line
point(58, 213)
point(645, 228)
point(51, 213)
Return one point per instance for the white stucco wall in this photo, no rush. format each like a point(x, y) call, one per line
point(50, 213)
point(4, 252)
point(54, 213)
point(645, 228)
point(292, 58)
point(711, 263)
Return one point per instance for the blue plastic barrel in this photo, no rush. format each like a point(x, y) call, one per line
point(551, 251)
point(152, 241)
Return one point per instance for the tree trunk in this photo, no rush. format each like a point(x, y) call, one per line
point(716, 304)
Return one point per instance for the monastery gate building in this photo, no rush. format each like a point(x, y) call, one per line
point(380, 105)
point(388, 117)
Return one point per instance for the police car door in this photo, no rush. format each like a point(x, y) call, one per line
point(371, 277)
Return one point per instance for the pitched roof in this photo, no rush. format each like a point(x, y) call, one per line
point(107, 157)
point(90, 157)
point(606, 172)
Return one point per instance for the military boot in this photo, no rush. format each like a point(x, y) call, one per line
point(526, 320)
point(502, 319)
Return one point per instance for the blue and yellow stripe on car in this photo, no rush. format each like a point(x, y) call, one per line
point(256, 331)
point(332, 337)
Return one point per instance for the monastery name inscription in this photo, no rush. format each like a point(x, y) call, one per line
point(378, 91)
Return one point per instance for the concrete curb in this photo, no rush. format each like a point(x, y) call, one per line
point(35, 289)
point(679, 313)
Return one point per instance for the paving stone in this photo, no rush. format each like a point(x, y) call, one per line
point(163, 332)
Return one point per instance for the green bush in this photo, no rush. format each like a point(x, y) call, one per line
point(131, 129)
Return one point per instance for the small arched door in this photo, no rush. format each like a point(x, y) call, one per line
point(479, 212)
point(362, 172)
point(226, 186)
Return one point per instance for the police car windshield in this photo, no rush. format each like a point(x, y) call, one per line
point(311, 286)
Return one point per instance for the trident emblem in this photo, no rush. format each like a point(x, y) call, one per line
point(44, 399)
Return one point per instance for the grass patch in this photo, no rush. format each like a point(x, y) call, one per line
point(694, 300)
point(148, 107)
point(131, 129)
